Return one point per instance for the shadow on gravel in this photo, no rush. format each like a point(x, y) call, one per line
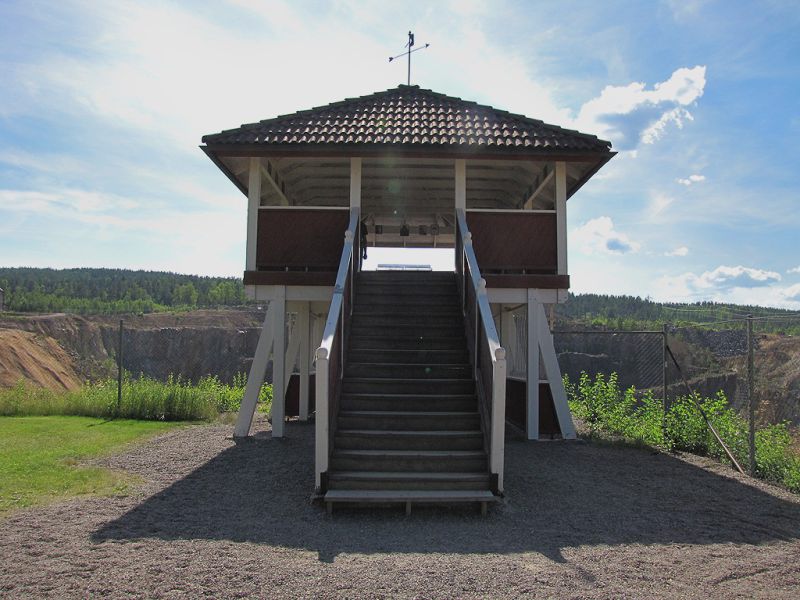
point(557, 496)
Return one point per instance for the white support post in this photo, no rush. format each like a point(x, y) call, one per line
point(255, 379)
point(498, 441)
point(292, 349)
point(303, 331)
point(355, 183)
point(532, 374)
point(507, 337)
point(561, 216)
point(279, 364)
point(321, 425)
point(253, 203)
point(554, 376)
point(461, 183)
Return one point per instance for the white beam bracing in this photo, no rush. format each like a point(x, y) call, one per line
point(294, 347)
point(547, 179)
point(258, 369)
point(275, 186)
point(355, 183)
point(461, 184)
point(553, 374)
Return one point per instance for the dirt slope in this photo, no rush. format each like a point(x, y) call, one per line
point(35, 358)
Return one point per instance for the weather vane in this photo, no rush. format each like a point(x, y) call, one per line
point(408, 53)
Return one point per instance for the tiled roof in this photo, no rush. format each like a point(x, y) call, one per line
point(409, 116)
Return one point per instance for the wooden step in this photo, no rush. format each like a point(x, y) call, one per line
point(408, 370)
point(413, 356)
point(395, 319)
point(409, 460)
point(409, 402)
point(408, 480)
point(409, 420)
point(358, 342)
point(380, 385)
point(403, 330)
point(400, 439)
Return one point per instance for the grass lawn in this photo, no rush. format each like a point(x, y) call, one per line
point(39, 456)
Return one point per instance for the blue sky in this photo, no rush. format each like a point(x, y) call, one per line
point(103, 106)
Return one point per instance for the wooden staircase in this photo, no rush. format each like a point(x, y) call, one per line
point(408, 428)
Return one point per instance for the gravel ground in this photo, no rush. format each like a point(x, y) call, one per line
point(579, 520)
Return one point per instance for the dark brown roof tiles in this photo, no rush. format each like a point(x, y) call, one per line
point(408, 116)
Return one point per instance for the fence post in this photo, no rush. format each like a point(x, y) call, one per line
point(751, 403)
point(664, 382)
point(119, 370)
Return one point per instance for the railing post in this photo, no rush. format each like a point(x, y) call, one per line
point(321, 425)
point(497, 443)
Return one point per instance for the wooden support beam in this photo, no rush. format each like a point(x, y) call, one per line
point(355, 183)
point(461, 183)
point(255, 379)
point(532, 370)
point(561, 216)
point(253, 202)
point(304, 331)
point(279, 363)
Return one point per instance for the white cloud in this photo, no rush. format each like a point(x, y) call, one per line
point(792, 293)
point(631, 114)
point(794, 269)
point(680, 251)
point(599, 235)
point(721, 279)
point(659, 203)
point(691, 179)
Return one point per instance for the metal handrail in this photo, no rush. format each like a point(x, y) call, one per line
point(496, 351)
point(323, 353)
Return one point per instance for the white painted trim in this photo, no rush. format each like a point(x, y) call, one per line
point(461, 184)
point(532, 368)
point(355, 182)
point(561, 216)
point(278, 411)
point(304, 331)
point(553, 374)
point(310, 293)
point(253, 203)
point(255, 378)
point(520, 295)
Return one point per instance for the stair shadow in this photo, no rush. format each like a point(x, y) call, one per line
point(557, 496)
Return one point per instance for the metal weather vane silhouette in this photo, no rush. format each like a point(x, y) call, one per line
point(408, 52)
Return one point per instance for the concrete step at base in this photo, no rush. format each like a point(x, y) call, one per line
point(378, 385)
point(411, 481)
point(408, 420)
point(409, 402)
point(409, 460)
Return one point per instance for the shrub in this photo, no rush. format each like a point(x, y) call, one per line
point(604, 408)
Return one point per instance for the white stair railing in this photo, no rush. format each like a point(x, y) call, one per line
point(329, 356)
point(488, 356)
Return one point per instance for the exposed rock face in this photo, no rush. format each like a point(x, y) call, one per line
point(191, 345)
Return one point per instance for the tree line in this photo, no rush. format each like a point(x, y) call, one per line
point(104, 291)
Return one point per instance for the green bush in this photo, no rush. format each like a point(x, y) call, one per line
point(606, 409)
point(142, 398)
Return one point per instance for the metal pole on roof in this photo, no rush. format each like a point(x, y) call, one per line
point(408, 52)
